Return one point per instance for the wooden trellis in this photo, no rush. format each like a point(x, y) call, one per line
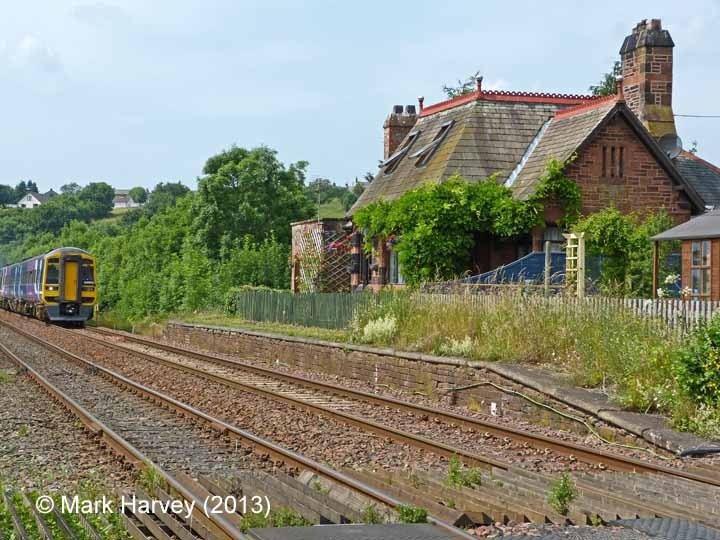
point(575, 262)
point(322, 259)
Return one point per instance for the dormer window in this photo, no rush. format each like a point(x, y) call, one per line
point(391, 163)
point(425, 153)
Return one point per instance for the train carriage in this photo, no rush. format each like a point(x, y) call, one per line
point(58, 286)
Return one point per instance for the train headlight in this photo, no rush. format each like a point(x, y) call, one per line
point(50, 288)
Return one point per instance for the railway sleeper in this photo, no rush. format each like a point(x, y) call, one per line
point(487, 498)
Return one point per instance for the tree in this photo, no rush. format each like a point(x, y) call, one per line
point(139, 195)
point(463, 87)
point(7, 195)
point(99, 196)
point(608, 85)
point(248, 193)
point(165, 195)
point(73, 188)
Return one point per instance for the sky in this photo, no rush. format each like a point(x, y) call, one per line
point(136, 92)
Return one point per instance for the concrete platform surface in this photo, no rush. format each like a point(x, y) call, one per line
point(353, 532)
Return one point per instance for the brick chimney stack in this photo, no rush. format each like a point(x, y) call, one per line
point(396, 127)
point(647, 66)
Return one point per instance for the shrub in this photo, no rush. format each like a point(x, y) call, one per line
point(380, 330)
point(704, 420)
point(458, 476)
point(696, 365)
point(457, 347)
point(412, 514)
point(562, 493)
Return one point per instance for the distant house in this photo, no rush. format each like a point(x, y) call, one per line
point(123, 199)
point(33, 200)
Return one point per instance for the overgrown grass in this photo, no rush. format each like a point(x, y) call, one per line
point(593, 345)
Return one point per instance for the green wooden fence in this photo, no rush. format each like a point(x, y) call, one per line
point(326, 310)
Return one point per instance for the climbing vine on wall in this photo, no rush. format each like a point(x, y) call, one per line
point(434, 225)
point(555, 186)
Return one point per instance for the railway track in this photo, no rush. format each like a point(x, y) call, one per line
point(340, 402)
point(644, 480)
point(149, 428)
point(505, 492)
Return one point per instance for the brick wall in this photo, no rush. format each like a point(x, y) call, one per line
point(410, 372)
point(396, 127)
point(643, 186)
point(647, 69)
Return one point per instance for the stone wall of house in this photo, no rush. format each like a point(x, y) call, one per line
point(643, 184)
point(412, 372)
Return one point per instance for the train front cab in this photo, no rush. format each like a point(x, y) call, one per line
point(69, 288)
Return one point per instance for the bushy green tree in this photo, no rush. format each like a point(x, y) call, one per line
point(164, 195)
point(139, 195)
point(7, 195)
point(608, 85)
point(99, 199)
point(248, 193)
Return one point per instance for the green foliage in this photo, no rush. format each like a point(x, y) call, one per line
point(248, 193)
point(411, 514)
point(164, 195)
point(152, 260)
point(562, 493)
point(608, 85)
point(287, 517)
point(459, 476)
point(624, 243)
point(139, 195)
point(371, 515)
point(436, 223)
point(696, 365)
point(462, 87)
point(555, 186)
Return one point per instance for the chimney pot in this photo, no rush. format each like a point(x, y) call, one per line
point(479, 84)
point(656, 24)
point(620, 89)
point(421, 99)
point(410, 109)
point(397, 109)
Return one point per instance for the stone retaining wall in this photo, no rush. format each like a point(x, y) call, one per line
point(412, 372)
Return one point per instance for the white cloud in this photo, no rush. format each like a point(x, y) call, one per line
point(30, 52)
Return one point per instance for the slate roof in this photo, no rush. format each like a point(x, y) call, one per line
point(703, 176)
point(706, 225)
point(487, 137)
point(513, 135)
point(564, 135)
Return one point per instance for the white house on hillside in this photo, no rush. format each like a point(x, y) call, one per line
point(124, 200)
point(33, 200)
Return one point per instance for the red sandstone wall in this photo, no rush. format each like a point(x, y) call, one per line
point(644, 186)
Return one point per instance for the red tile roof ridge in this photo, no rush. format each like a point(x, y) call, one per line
point(600, 100)
point(511, 96)
point(692, 156)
